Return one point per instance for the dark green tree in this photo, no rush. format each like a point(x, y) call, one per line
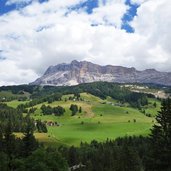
point(155, 104)
point(32, 110)
point(74, 109)
point(29, 142)
point(161, 139)
point(4, 162)
point(1, 137)
point(128, 160)
point(47, 110)
point(41, 126)
point(45, 161)
point(9, 139)
point(80, 109)
point(58, 111)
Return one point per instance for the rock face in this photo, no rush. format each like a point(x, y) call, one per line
point(86, 72)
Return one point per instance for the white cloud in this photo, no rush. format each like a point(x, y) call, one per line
point(41, 35)
point(138, 1)
point(10, 74)
point(111, 13)
point(153, 23)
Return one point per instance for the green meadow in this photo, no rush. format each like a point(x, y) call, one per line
point(99, 120)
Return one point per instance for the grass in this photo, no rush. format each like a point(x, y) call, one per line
point(44, 138)
point(97, 121)
point(9, 94)
point(74, 133)
point(151, 109)
point(15, 103)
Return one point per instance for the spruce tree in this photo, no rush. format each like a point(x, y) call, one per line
point(9, 139)
point(80, 109)
point(1, 137)
point(128, 160)
point(29, 142)
point(161, 139)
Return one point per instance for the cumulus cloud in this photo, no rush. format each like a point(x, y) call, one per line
point(110, 12)
point(138, 1)
point(10, 74)
point(40, 35)
point(153, 23)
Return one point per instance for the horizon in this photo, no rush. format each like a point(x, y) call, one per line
point(68, 63)
point(35, 34)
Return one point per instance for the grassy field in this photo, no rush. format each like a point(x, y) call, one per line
point(151, 109)
point(100, 119)
point(15, 103)
point(7, 94)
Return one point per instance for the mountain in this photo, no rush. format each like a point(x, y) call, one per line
point(85, 72)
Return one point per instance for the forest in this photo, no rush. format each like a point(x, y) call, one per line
point(40, 94)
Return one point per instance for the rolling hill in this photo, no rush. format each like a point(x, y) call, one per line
point(100, 119)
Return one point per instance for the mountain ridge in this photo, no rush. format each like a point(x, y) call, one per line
point(85, 72)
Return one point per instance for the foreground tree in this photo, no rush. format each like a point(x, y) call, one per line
point(9, 140)
point(4, 162)
point(45, 160)
point(161, 140)
point(128, 160)
point(29, 141)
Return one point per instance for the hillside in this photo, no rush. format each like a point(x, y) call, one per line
point(108, 110)
point(119, 92)
point(99, 119)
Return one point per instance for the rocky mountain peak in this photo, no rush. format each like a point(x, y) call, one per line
point(75, 63)
point(84, 72)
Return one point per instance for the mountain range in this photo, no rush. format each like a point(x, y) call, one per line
point(85, 72)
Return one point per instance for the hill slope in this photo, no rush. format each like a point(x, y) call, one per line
point(100, 119)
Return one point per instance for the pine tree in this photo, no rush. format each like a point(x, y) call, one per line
point(9, 142)
point(4, 162)
point(1, 137)
point(161, 139)
point(128, 160)
point(29, 142)
point(80, 109)
point(9, 139)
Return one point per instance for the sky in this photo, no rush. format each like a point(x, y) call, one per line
point(35, 34)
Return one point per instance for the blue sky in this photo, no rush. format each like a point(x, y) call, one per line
point(4, 8)
point(89, 5)
point(129, 16)
point(36, 34)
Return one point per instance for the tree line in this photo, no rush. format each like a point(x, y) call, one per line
point(103, 90)
point(49, 94)
point(32, 103)
point(59, 110)
point(48, 110)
